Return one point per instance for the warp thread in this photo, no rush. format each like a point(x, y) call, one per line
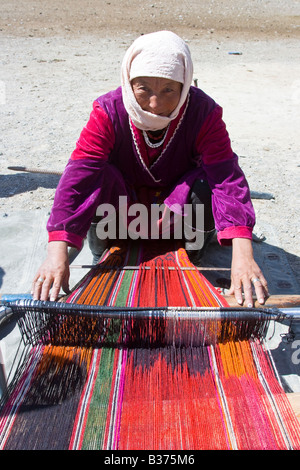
point(94, 383)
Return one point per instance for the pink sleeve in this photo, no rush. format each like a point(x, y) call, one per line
point(213, 143)
point(93, 148)
point(97, 137)
point(71, 238)
point(232, 208)
point(225, 236)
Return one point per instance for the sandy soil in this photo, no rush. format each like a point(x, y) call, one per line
point(56, 57)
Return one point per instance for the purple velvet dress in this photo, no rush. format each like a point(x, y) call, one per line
point(109, 162)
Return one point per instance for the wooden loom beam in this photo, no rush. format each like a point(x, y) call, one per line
point(278, 301)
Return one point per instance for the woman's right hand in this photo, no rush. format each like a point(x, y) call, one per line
point(53, 274)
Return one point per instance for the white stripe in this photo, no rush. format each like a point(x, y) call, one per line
point(227, 416)
point(270, 397)
point(132, 289)
point(115, 399)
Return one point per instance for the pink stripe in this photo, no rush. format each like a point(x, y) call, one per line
point(120, 400)
point(12, 406)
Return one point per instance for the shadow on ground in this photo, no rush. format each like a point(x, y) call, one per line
point(23, 182)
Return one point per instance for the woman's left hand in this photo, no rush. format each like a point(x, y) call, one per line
point(245, 273)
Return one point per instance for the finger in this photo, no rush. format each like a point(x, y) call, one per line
point(248, 293)
point(38, 278)
point(60, 281)
point(264, 284)
point(36, 291)
point(44, 295)
point(37, 286)
point(55, 290)
point(65, 283)
point(231, 290)
point(261, 289)
point(237, 291)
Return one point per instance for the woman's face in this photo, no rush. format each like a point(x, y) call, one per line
point(157, 95)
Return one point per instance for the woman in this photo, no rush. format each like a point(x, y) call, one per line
point(156, 136)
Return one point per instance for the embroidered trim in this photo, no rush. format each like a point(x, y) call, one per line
point(164, 150)
point(139, 154)
point(174, 133)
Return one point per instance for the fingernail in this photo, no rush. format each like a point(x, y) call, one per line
point(249, 305)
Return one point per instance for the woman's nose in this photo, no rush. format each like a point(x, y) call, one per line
point(155, 104)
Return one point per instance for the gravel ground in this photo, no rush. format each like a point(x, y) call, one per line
point(56, 59)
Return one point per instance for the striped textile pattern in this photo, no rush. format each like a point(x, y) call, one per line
point(222, 396)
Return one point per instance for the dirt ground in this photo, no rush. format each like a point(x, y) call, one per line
point(56, 57)
point(191, 18)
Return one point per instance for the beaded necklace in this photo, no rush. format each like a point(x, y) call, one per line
point(156, 144)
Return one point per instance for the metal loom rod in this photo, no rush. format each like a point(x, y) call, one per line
point(19, 308)
point(136, 268)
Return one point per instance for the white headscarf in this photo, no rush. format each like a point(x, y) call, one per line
point(162, 54)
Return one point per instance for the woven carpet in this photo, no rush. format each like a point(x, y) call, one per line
point(147, 396)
